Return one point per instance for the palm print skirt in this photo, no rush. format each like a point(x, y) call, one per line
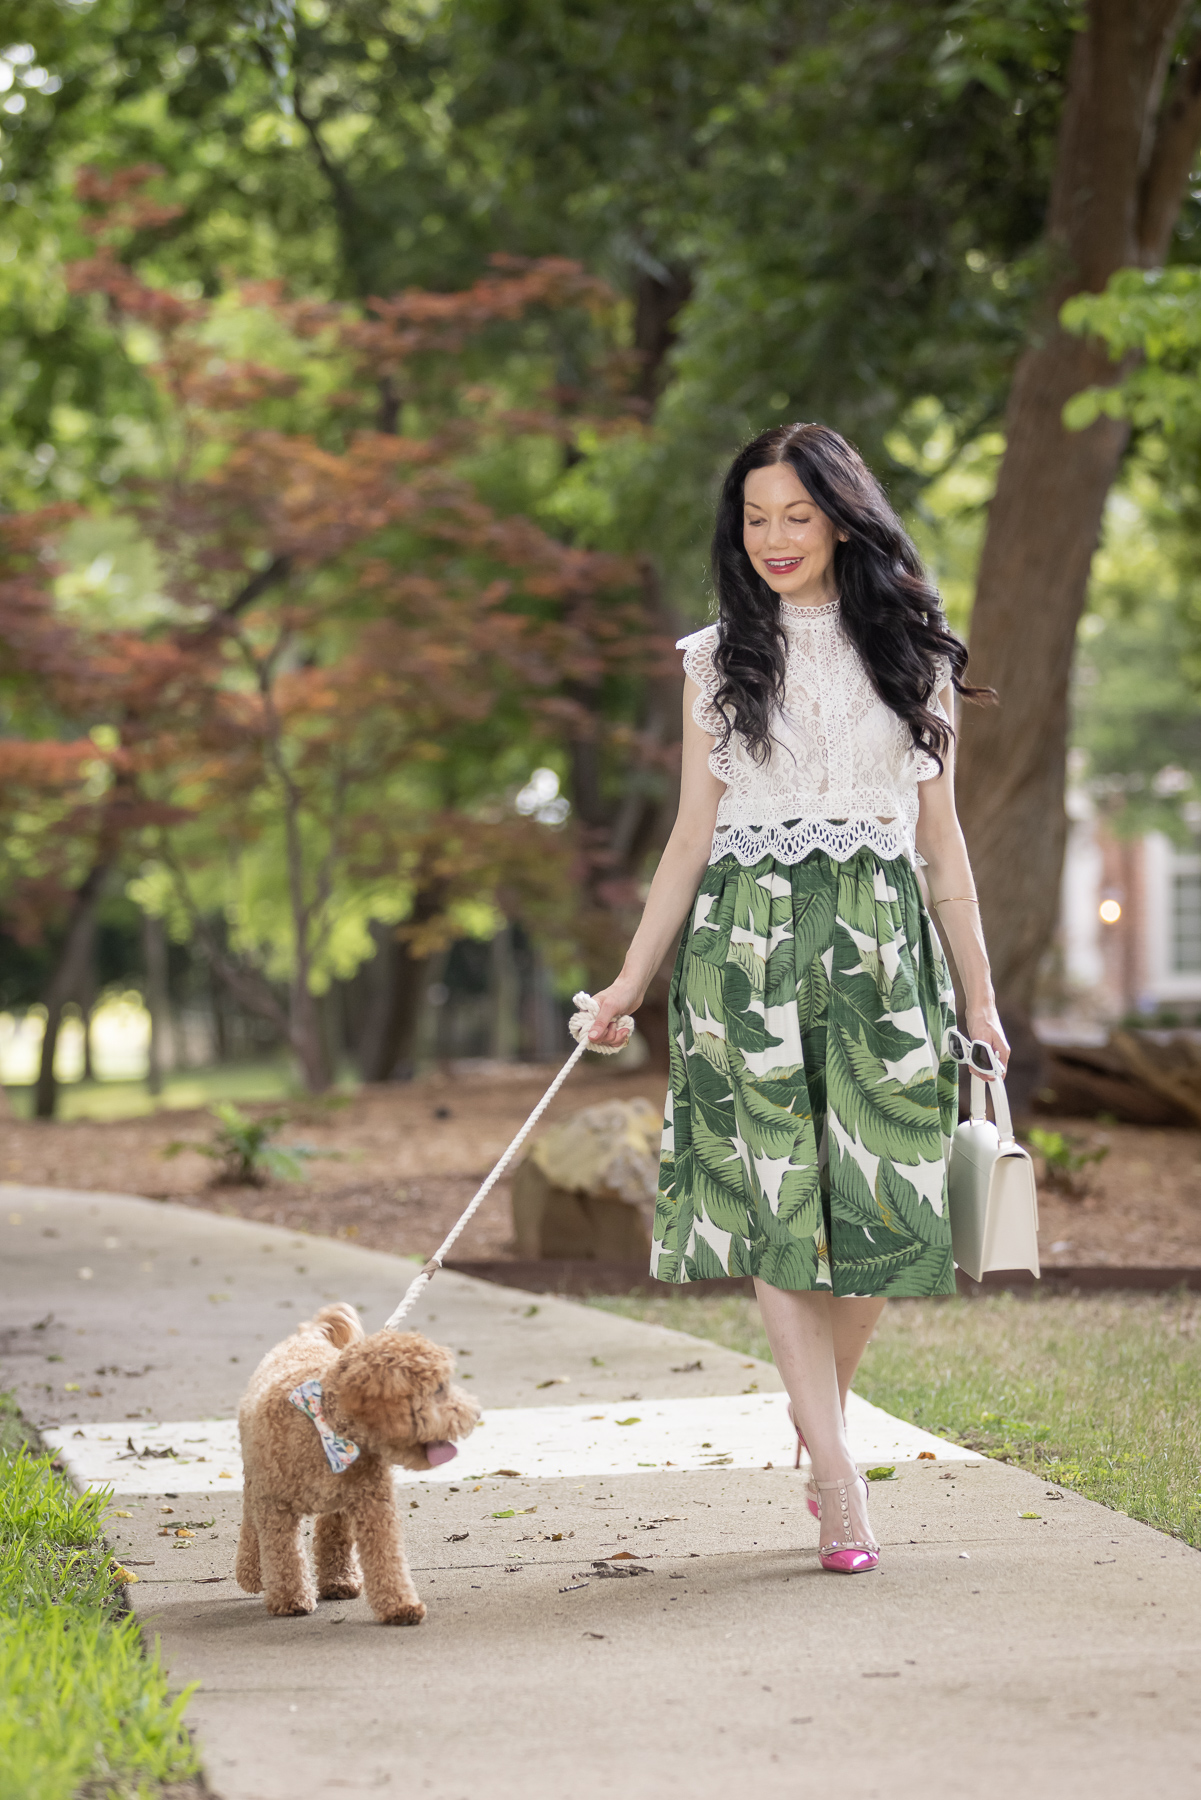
point(810, 1109)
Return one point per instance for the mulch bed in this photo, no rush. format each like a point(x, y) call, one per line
point(402, 1160)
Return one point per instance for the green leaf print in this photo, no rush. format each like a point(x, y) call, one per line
point(791, 1265)
point(813, 990)
point(703, 1262)
point(833, 969)
point(895, 1121)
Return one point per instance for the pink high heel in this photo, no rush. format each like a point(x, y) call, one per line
point(811, 1486)
point(847, 1555)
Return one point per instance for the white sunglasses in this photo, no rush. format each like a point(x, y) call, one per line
point(973, 1054)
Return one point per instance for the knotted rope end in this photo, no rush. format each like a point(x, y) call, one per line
point(584, 1018)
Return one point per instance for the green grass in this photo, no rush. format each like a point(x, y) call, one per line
point(247, 1082)
point(81, 1705)
point(1102, 1395)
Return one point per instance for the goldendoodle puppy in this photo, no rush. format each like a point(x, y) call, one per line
point(326, 1414)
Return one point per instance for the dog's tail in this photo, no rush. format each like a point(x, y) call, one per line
point(340, 1324)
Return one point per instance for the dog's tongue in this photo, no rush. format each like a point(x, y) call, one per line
point(441, 1452)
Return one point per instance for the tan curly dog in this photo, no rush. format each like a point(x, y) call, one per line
point(379, 1400)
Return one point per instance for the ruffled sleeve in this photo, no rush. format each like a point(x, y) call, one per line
point(925, 767)
point(698, 666)
point(942, 679)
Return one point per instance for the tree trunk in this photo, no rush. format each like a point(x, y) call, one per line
point(388, 1046)
point(69, 979)
point(658, 301)
point(620, 838)
point(504, 983)
point(306, 1036)
point(1123, 159)
point(154, 952)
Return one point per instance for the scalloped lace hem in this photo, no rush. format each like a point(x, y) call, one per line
point(840, 839)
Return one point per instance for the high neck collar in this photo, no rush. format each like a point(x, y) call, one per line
point(803, 615)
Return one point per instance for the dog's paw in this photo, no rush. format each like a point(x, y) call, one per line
point(406, 1615)
point(290, 1606)
point(340, 1590)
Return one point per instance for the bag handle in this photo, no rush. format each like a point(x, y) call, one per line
point(1000, 1105)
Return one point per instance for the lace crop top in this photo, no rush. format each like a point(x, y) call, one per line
point(843, 769)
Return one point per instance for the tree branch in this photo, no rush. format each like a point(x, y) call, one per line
point(246, 985)
point(278, 569)
point(345, 204)
point(1173, 150)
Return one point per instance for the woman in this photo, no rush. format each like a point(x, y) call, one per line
point(811, 1100)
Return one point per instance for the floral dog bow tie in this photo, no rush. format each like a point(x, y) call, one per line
point(339, 1451)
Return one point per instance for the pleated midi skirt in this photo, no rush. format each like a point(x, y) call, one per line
point(811, 1109)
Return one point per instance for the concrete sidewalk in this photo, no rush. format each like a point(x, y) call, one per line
point(989, 1650)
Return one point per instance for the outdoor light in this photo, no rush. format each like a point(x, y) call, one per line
point(1110, 912)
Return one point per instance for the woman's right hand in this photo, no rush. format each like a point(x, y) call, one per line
point(621, 996)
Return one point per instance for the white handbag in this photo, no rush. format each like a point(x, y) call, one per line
point(991, 1193)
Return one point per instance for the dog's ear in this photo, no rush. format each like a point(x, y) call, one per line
point(373, 1384)
point(339, 1324)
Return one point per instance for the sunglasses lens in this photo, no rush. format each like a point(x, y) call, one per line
point(957, 1045)
point(982, 1057)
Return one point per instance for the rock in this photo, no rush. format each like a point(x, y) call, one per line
point(586, 1188)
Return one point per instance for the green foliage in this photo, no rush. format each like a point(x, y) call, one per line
point(244, 1148)
point(80, 1702)
point(1139, 672)
point(832, 211)
point(1102, 1395)
point(824, 211)
point(1064, 1162)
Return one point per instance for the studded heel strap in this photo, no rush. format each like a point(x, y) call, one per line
point(846, 1554)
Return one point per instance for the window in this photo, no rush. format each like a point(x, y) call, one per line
point(1186, 922)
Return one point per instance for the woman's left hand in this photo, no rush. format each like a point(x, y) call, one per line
point(984, 1022)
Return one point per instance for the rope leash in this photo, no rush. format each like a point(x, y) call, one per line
point(580, 1024)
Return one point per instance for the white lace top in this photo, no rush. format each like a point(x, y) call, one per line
point(843, 769)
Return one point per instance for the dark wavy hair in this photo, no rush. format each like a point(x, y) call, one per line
point(889, 609)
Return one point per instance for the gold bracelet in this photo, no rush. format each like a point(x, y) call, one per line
point(967, 899)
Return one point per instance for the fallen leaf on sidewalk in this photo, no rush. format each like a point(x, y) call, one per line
point(686, 1368)
point(627, 1421)
point(594, 1634)
point(554, 1381)
point(623, 1556)
point(458, 1537)
point(1029, 1515)
point(926, 1456)
point(508, 1513)
point(132, 1450)
point(515, 1473)
point(887, 1472)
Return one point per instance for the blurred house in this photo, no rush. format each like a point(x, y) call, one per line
point(1130, 928)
